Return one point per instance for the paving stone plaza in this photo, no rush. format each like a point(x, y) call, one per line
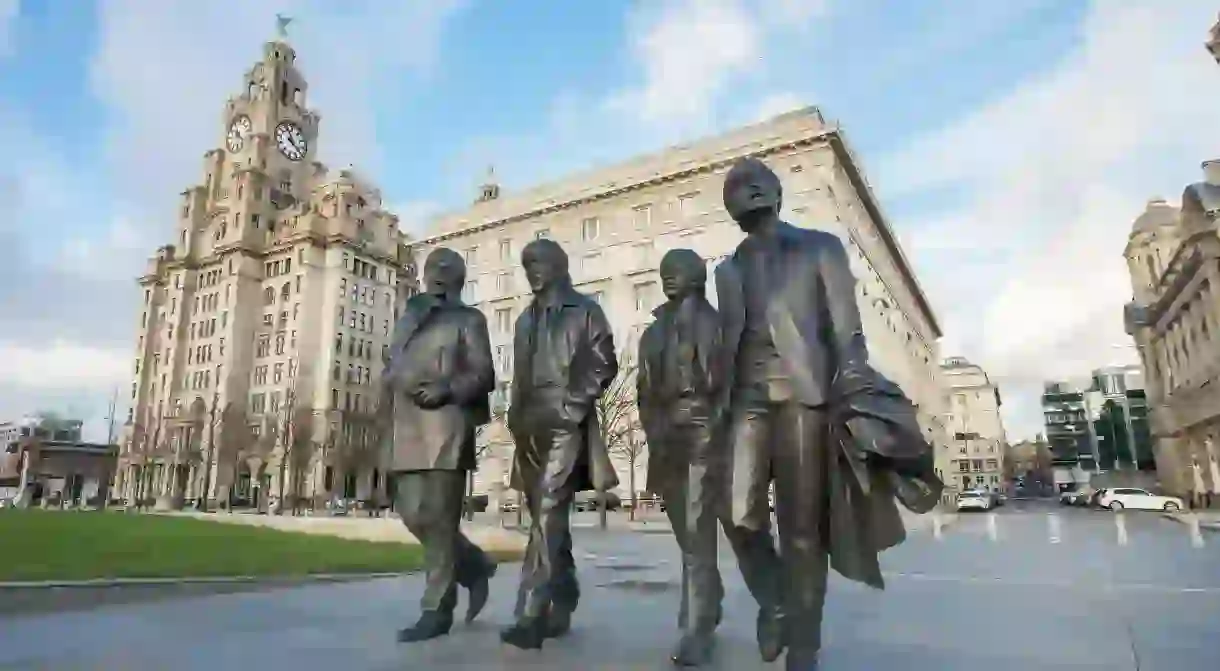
point(1034, 587)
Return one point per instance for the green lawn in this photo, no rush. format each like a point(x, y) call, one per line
point(46, 545)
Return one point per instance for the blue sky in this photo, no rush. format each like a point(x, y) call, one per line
point(1012, 143)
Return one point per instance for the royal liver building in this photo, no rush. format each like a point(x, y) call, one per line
point(263, 323)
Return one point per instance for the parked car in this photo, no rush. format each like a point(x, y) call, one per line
point(586, 501)
point(975, 500)
point(1094, 499)
point(1121, 498)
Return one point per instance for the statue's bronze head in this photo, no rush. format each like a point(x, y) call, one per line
point(444, 272)
point(546, 264)
point(751, 192)
point(683, 273)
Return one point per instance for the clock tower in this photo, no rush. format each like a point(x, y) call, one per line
point(271, 307)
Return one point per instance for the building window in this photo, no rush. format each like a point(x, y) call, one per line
point(504, 320)
point(686, 205)
point(598, 297)
point(542, 233)
point(643, 295)
point(590, 228)
point(641, 217)
point(504, 282)
point(502, 358)
point(590, 264)
point(472, 256)
point(268, 296)
point(506, 249)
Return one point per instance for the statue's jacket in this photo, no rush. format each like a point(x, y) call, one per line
point(576, 351)
point(678, 383)
point(878, 450)
point(447, 341)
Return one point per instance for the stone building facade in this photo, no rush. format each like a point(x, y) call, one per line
point(1174, 259)
point(977, 442)
point(1173, 255)
point(617, 222)
point(262, 327)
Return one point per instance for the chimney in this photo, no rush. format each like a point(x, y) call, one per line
point(1211, 171)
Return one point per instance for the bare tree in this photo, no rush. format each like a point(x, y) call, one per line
point(615, 412)
point(290, 433)
point(301, 451)
point(236, 439)
point(631, 448)
point(356, 447)
point(148, 446)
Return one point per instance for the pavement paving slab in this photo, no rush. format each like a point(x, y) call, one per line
point(964, 601)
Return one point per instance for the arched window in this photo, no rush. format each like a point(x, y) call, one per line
point(285, 291)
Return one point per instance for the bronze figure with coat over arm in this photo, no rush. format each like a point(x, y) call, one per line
point(564, 359)
point(798, 370)
point(435, 394)
point(678, 392)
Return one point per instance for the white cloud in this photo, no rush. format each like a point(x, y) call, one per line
point(779, 103)
point(63, 365)
point(163, 70)
point(116, 253)
point(413, 215)
point(9, 9)
point(691, 52)
point(1056, 171)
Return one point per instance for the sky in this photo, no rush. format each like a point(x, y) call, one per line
point(1010, 143)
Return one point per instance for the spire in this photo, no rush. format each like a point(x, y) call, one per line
point(281, 27)
point(490, 189)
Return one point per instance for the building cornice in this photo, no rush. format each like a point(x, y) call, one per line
point(830, 136)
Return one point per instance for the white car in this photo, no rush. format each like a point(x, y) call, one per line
point(1121, 498)
point(975, 500)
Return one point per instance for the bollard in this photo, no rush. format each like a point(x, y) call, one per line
point(1053, 527)
point(936, 525)
point(1120, 524)
point(1196, 533)
point(993, 527)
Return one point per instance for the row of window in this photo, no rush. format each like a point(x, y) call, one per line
point(262, 346)
point(977, 465)
point(359, 320)
point(364, 294)
point(259, 375)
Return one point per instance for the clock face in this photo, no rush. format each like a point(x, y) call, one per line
point(291, 141)
point(238, 130)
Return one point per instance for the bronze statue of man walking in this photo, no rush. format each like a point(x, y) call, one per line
point(803, 401)
point(678, 393)
point(436, 384)
point(564, 360)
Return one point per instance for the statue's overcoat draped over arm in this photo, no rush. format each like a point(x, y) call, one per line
point(878, 450)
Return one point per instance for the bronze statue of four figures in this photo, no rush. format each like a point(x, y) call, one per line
point(771, 389)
